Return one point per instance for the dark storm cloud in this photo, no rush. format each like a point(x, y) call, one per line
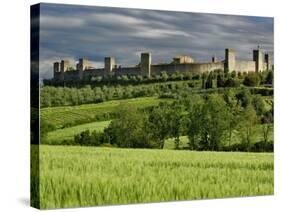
point(95, 32)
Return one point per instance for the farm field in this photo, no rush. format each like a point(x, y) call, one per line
point(83, 176)
point(69, 115)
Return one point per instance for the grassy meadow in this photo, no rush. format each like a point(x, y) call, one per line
point(90, 176)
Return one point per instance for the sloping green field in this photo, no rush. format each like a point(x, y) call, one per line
point(69, 115)
point(55, 137)
point(87, 176)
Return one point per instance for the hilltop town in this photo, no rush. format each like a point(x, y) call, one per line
point(182, 64)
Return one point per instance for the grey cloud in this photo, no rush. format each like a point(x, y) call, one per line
point(96, 32)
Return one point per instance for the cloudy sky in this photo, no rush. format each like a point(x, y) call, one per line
point(72, 32)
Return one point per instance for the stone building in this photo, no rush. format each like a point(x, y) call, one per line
point(181, 64)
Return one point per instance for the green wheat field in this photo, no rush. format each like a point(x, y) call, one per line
point(74, 176)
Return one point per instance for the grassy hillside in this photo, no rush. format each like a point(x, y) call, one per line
point(70, 115)
point(55, 137)
point(84, 176)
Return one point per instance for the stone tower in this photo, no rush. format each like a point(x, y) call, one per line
point(230, 60)
point(109, 64)
point(56, 70)
point(267, 61)
point(82, 66)
point(145, 64)
point(64, 65)
point(257, 57)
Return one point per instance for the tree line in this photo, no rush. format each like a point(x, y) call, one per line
point(220, 79)
point(62, 96)
point(252, 79)
point(124, 79)
point(208, 121)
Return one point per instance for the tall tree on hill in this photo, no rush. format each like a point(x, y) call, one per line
point(128, 130)
point(247, 122)
point(194, 126)
point(159, 123)
point(177, 122)
point(214, 122)
point(258, 104)
point(234, 110)
point(208, 122)
point(267, 124)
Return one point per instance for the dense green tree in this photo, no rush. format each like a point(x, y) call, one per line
point(233, 74)
point(177, 122)
point(164, 76)
point(267, 120)
point(231, 82)
point(188, 76)
point(220, 81)
point(196, 77)
point(159, 123)
point(129, 129)
point(240, 75)
point(244, 97)
point(174, 76)
point(194, 125)
point(258, 104)
point(86, 138)
point(269, 77)
point(125, 78)
point(248, 120)
point(209, 81)
point(234, 110)
point(252, 79)
point(267, 125)
point(204, 80)
point(214, 122)
point(208, 122)
point(179, 76)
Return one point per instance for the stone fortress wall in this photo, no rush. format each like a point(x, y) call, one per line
point(181, 64)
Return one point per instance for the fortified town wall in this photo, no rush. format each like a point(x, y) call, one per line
point(181, 64)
